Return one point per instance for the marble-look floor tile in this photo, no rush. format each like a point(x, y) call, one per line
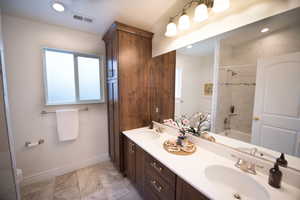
point(70, 193)
point(38, 191)
point(99, 195)
point(66, 181)
point(97, 182)
point(89, 180)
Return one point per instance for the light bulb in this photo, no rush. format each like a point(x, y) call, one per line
point(221, 5)
point(59, 7)
point(184, 22)
point(264, 30)
point(201, 13)
point(171, 29)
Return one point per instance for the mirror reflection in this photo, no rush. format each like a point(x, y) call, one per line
point(245, 83)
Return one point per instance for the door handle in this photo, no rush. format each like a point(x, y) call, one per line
point(256, 118)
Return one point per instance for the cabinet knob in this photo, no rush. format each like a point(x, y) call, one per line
point(256, 119)
point(154, 165)
point(156, 186)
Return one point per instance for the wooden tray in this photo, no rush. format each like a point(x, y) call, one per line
point(181, 152)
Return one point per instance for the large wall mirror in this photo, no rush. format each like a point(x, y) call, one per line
point(246, 82)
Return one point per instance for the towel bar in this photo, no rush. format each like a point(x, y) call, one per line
point(48, 112)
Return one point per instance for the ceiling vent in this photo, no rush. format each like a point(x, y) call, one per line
point(82, 18)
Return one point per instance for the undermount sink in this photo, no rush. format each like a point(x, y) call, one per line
point(235, 183)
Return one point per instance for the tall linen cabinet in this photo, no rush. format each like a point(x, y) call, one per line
point(128, 56)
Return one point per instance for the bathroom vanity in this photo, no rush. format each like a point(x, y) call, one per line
point(206, 174)
point(152, 178)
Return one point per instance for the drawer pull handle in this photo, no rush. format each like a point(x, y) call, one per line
point(131, 147)
point(156, 186)
point(154, 165)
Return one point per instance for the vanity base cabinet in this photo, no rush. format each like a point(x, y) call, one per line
point(152, 179)
point(185, 191)
point(134, 164)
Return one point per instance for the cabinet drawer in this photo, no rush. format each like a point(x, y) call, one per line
point(163, 189)
point(154, 165)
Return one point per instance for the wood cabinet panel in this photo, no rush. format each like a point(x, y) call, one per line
point(140, 169)
point(130, 161)
point(134, 57)
point(154, 165)
point(110, 110)
point(163, 189)
point(163, 69)
point(184, 191)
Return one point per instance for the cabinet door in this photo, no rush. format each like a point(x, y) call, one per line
point(139, 169)
point(130, 160)
point(162, 91)
point(115, 144)
point(110, 110)
point(185, 191)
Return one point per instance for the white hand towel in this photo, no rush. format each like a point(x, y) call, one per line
point(67, 124)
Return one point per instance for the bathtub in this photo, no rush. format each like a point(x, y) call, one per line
point(235, 134)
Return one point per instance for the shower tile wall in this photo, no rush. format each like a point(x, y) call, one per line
point(242, 97)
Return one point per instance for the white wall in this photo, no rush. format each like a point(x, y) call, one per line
point(8, 188)
point(240, 14)
point(23, 40)
point(196, 71)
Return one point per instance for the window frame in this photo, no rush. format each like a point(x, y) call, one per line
point(76, 78)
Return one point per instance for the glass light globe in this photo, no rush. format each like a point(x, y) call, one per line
point(171, 29)
point(59, 7)
point(221, 5)
point(184, 22)
point(201, 13)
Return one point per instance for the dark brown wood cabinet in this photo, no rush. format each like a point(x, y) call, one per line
point(185, 191)
point(128, 57)
point(134, 164)
point(130, 160)
point(162, 96)
point(153, 180)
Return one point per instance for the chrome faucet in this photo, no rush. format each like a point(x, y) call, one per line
point(246, 166)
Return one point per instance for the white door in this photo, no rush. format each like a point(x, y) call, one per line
point(276, 120)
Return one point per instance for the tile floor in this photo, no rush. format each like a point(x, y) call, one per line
point(97, 182)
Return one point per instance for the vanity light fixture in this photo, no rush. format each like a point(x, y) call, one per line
point(171, 29)
point(200, 14)
point(184, 21)
point(264, 30)
point(220, 5)
point(57, 6)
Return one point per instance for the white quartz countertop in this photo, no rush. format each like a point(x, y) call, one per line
point(191, 168)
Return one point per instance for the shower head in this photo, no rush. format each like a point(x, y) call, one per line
point(233, 73)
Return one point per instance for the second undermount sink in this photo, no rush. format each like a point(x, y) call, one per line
point(236, 184)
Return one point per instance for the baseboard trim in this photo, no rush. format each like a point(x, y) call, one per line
point(48, 174)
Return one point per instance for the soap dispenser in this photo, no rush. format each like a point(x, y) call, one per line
point(275, 176)
point(282, 161)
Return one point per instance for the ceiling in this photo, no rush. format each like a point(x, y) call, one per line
point(203, 48)
point(141, 13)
point(290, 19)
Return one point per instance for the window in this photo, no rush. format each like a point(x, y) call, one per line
point(178, 83)
point(72, 78)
